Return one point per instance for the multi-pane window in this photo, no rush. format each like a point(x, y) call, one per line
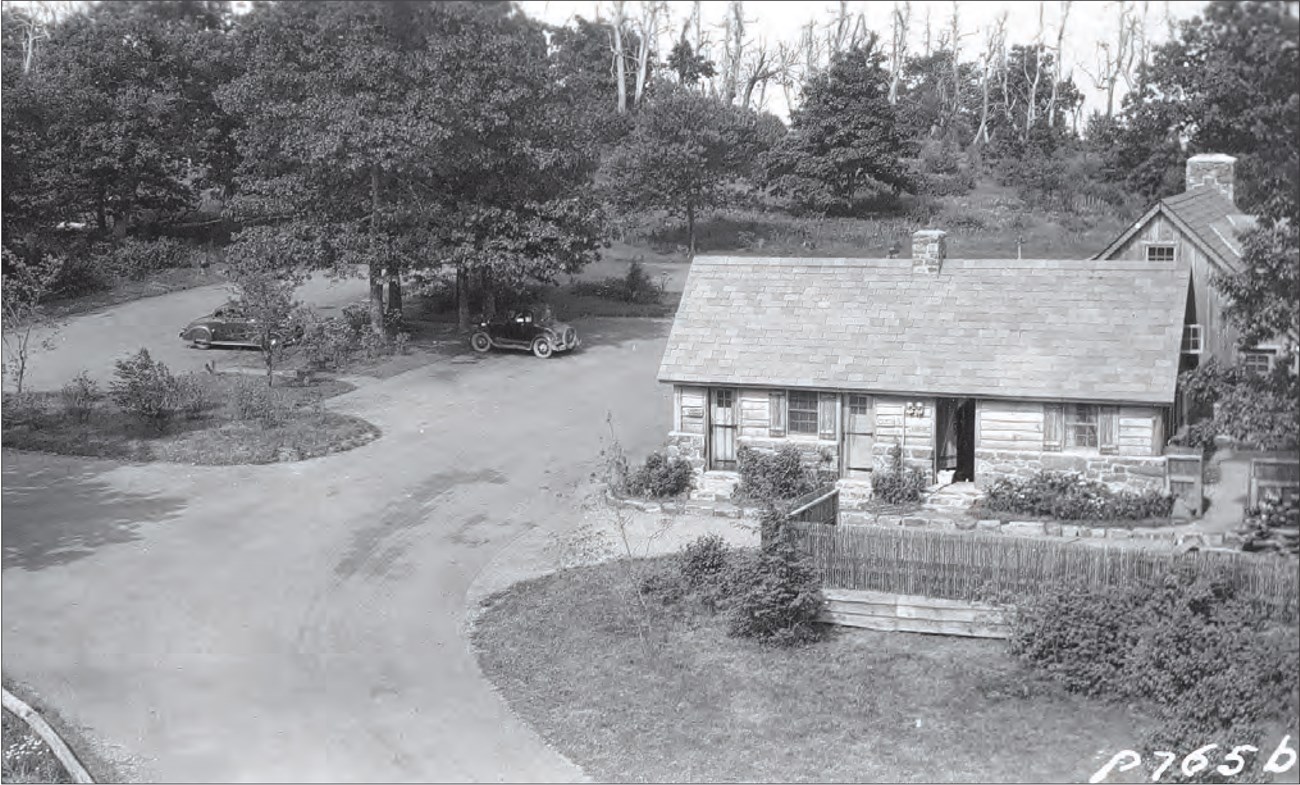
point(1258, 362)
point(1192, 339)
point(1160, 253)
point(802, 410)
point(1080, 425)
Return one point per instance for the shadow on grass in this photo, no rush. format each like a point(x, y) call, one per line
point(53, 516)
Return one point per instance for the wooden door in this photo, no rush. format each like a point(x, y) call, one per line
point(722, 429)
point(859, 435)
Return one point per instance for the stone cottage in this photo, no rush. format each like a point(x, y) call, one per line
point(977, 369)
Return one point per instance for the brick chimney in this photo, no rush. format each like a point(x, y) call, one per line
point(1211, 170)
point(928, 250)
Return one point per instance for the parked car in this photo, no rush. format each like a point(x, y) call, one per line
point(229, 325)
point(528, 329)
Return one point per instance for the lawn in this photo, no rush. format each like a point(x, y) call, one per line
point(291, 426)
point(26, 757)
point(697, 705)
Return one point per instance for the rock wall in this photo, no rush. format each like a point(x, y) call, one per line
point(1120, 472)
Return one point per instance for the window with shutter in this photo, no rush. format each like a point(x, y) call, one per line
point(1053, 425)
point(776, 403)
point(1108, 429)
point(827, 406)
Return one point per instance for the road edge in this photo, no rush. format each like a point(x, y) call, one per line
point(66, 757)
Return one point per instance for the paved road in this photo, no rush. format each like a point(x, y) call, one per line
point(95, 341)
point(304, 621)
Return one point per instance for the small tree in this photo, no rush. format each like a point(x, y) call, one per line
point(265, 284)
point(25, 283)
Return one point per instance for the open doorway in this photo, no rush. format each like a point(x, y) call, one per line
point(954, 440)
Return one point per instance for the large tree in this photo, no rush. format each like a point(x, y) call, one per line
point(844, 141)
point(684, 154)
point(405, 136)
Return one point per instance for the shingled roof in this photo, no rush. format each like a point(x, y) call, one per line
point(1054, 330)
point(1207, 217)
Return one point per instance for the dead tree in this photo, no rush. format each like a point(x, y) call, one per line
point(1116, 63)
point(733, 49)
point(1031, 106)
point(902, 19)
point(620, 65)
point(648, 30)
point(1056, 70)
point(990, 60)
point(762, 67)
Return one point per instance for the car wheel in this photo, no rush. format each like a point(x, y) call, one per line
point(542, 348)
point(480, 342)
point(201, 338)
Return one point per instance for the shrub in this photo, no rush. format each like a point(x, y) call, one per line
point(79, 396)
point(635, 287)
point(898, 484)
point(1208, 659)
point(256, 401)
point(1273, 524)
point(144, 388)
point(778, 598)
point(772, 476)
point(374, 345)
point(660, 477)
point(704, 561)
point(1070, 496)
point(329, 343)
point(192, 395)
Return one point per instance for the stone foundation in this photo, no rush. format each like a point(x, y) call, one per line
point(1119, 472)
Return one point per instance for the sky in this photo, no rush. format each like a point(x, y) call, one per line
point(1089, 22)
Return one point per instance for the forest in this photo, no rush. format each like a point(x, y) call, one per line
point(469, 145)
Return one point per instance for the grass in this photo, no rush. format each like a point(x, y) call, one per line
point(297, 428)
point(698, 705)
point(154, 283)
point(26, 757)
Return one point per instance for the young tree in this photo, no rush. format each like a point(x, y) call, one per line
point(25, 283)
point(843, 139)
point(265, 287)
point(680, 157)
point(1265, 295)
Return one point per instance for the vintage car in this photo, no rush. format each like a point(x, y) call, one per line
point(528, 329)
point(229, 325)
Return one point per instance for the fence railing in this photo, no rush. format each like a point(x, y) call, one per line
point(1278, 477)
point(984, 568)
point(820, 505)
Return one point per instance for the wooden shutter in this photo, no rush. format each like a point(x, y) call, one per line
point(776, 407)
point(1053, 426)
point(826, 406)
point(1108, 429)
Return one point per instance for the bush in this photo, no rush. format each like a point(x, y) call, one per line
point(1070, 496)
point(256, 401)
point(772, 476)
point(1208, 659)
point(329, 343)
point(898, 484)
point(778, 598)
point(79, 396)
point(660, 477)
point(192, 395)
point(635, 287)
point(704, 561)
point(1273, 525)
point(144, 388)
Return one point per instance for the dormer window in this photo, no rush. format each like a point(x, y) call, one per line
point(1160, 252)
point(1193, 340)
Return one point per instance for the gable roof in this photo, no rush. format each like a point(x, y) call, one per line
point(1207, 217)
point(1054, 330)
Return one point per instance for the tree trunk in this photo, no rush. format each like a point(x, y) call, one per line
point(489, 296)
point(620, 66)
point(690, 227)
point(395, 295)
point(376, 267)
point(462, 298)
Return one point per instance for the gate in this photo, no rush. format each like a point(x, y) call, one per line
point(1184, 473)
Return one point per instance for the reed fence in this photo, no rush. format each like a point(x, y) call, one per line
point(984, 568)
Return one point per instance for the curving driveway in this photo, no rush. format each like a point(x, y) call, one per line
point(304, 622)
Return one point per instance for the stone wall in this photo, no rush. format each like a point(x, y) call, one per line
point(1120, 472)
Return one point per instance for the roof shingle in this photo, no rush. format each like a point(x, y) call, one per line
point(1046, 329)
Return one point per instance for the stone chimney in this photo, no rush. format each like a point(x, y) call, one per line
point(1211, 170)
point(928, 250)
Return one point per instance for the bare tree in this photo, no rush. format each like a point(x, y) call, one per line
point(652, 11)
point(22, 289)
point(620, 66)
point(1056, 71)
point(991, 59)
point(929, 31)
point(34, 20)
point(902, 19)
point(733, 49)
point(953, 38)
point(1031, 106)
point(761, 67)
point(1116, 63)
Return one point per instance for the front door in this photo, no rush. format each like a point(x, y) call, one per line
point(722, 429)
point(954, 438)
point(859, 435)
